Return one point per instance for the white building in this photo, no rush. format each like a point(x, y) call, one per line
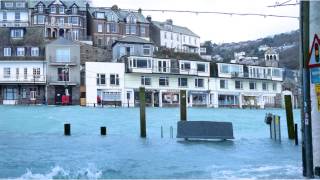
point(181, 39)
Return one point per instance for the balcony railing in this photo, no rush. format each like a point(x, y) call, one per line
point(59, 25)
point(73, 61)
point(29, 79)
point(14, 23)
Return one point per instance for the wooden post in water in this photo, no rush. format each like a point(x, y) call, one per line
point(183, 105)
point(290, 123)
point(296, 140)
point(103, 131)
point(67, 129)
point(142, 95)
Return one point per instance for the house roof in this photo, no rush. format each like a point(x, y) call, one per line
point(132, 39)
point(63, 41)
point(175, 28)
point(68, 3)
point(271, 51)
point(121, 14)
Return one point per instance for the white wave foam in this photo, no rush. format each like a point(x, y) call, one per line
point(58, 172)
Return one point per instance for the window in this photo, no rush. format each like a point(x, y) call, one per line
point(6, 72)
point(25, 73)
point(183, 82)
point(16, 33)
point(223, 84)
point(74, 20)
point(17, 16)
point(101, 79)
point(17, 73)
point(143, 31)
point(74, 10)
point(113, 28)
point(4, 15)
point(127, 29)
point(276, 72)
point(224, 68)
point(20, 51)
point(7, 52)
point(114, 79)
point(145, 81)
point(252, 86)
point(274, 86)
point(63, 74)
point(34, 51)
point(20, 5)
point(164, 81)
point(133, 29)
point(53, 9)
point(100, 28)
point(61, 10)
point(165, 35)
point(146, 50)
point(40, 19)
point(100, 15)
point(199, 83)
point(238, 85)
point(265, 86)
point(201, 67)
point(8, 4)
point(24, 93)
point(63, 55)
point(61, 21)
point(40, 8)
point(36, 72)
point(185, 66)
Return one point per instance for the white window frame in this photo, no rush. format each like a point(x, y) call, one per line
point(7, 52)
point(35, 51)
point(99, 77)
point(180, 80)
point(6, 72)
point(20, 5)
point(21, 51)
point(100, 28)
point(53, 9)
point(166, 81)
point(255, 85)
point(235, 85)
point(116, 80)
point(225, 84)
point(196, 82)
point(8, 4)
point(144, 80)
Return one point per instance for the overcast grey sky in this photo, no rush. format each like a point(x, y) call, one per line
point(218, 28)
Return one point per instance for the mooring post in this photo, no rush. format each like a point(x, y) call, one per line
point(161, 132)
point(103, 131)
point(171, 132)
point(142, 95)
point(296, 140)
point(94, 104)
point(183, 105)
point(290, 123)
point(67, 129)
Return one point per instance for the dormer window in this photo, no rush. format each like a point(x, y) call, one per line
point(40, 9)
point(61, 10)
point(100, 15)
point(20, 5)
point(53, 9)
point(131, 19)
point(111, 17)
point(74, 10)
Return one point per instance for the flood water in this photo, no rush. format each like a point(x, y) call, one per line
point(32, 145)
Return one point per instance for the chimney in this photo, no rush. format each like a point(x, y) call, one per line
point(149, 18)
point(169, 21)
point(139, 10)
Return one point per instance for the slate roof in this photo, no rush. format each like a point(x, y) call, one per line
point(63, 41)
point(175, 28)
point(121, 14)
point(80, 3)
point(132, 39)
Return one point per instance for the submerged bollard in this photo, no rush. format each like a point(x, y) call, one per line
point(103, 131)
point(142, 96)
point(183, 105)
point(161, 132)
point(171, 132)
point(289, 114)
point(94, 104)
point(67, 129)
point(296, 140)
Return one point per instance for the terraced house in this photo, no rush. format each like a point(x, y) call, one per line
point(60, 18)
point(110, 24)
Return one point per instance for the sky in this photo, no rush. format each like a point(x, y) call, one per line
point(218, 28)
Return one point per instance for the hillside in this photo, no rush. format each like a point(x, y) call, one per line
point(286, 43)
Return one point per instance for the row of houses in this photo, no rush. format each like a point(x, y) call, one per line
point(66, 52)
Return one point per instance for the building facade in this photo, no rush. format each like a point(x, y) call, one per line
point(110, 24)
point(181, 39)
point(60, 18)
point(63, 66)
point(22, 66)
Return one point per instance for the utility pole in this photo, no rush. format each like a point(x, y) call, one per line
point(307, 151)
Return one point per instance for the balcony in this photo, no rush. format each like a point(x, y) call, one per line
point(14, 23)
point(30, 79)
point(56, 80)
point(59, 25)
point(53, 61)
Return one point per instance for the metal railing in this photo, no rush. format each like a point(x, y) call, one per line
point(74, 60)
